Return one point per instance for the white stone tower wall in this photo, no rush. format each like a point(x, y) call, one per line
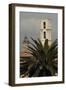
point(47, 30)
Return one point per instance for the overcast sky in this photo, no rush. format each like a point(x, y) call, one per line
point(30, 24)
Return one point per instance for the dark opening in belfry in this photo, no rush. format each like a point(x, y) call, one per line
point(44, 24)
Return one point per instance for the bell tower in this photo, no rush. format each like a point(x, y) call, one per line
point(45, 31)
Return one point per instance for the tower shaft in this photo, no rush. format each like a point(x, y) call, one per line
point(45, 31)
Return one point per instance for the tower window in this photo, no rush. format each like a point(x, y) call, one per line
point(45, 35)
point(44, 25)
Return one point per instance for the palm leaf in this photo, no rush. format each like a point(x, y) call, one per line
point(43, 56)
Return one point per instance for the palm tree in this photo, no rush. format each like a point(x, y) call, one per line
point(44, 60)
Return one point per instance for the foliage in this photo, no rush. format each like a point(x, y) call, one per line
point(44, 61)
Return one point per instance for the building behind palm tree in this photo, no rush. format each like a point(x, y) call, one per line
point(45, 31)
point(25, 52)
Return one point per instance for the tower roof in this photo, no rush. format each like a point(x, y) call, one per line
point(26, 40)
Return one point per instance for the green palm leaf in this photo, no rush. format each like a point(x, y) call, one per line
point(45, 58)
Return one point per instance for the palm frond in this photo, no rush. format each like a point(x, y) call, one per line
point(45, 59)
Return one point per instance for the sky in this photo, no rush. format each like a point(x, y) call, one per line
point(30, 25)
